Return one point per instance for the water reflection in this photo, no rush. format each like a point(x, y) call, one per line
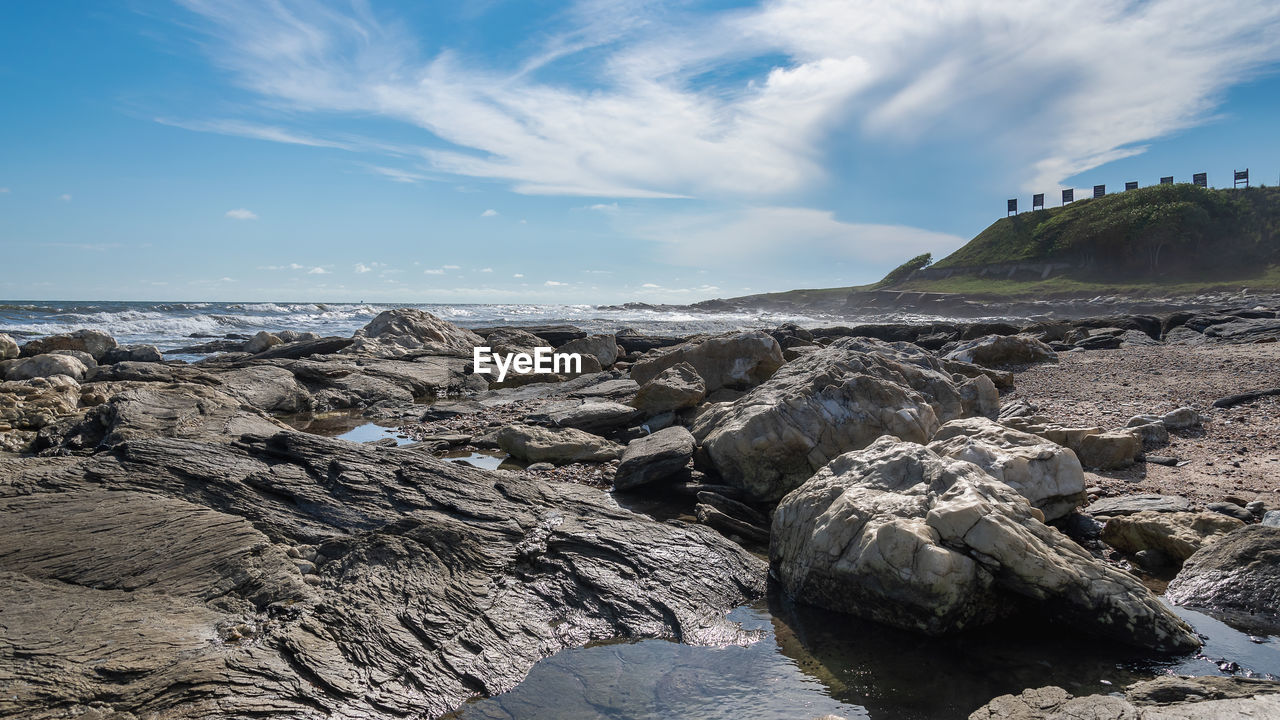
point(811, 663)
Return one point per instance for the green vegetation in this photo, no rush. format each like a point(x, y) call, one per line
point(1162, 230)
point(904, 271)
point(1063, 286)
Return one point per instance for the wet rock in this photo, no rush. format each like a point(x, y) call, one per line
point(1165, 698)
point(8, 347)
point(1240, 572)
point(261, 342)
point(42, 366)
point(729, 525)
point(654, 458)
point(738, 360)
point(305, 347)
point(94, 342)
point(533, 444)
point(407, 331)
point(596, 416)
point(1001, 350)
point(604, 348)
point(1231, 510)
point(1176, 534)
point(676, 388)
point(132, 353)
point(1131, 504)
point(1110, 450)
point(1046, 474)
point(837, 399)
point(430, 582)
point(898, 534)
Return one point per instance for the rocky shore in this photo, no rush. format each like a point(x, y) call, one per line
point(172, 548)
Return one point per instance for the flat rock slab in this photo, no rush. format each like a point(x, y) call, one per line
point(1132, 504)
point(295, 576)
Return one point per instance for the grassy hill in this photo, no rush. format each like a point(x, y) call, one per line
point(1171, 238)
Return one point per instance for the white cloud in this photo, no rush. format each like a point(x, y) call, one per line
point(317, 271)
point(65, 197)
point(553, 283)
point(433, 271)
point(650, 285)
point(4, 191)
point(242, 214)
point(451, 267)
point(601, 207)
point(361, 268)
point(518, 275)
point(398, 175)
point(290, 266)
point(486, 270)
point(770, 236)
point(226, 280)
point(1059, 86)
point(489, 213)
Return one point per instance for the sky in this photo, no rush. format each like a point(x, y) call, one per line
point(596, 151)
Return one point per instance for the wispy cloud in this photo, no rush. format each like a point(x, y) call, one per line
point(489, 213)
point(748, 238)
point(290, 266)
point(1058, 86)
point(65, 197)
point(4, 191)
point(433, 271)
point(242, 214)
point(317, 271)
point(554, 283)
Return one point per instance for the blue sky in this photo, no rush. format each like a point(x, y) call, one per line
point(594, 151)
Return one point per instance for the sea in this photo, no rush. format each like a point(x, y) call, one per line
point(170, 325)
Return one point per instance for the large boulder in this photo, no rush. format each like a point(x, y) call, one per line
point(1045, 473)
point(1178, 535)
point(49, 365)
point(262, 342)
point(1001, 350)
point(94, 342)
point(899, 534)
point(405, 331)
point(8, 348)
point(654, 458)
point(1239, 572)
point(132, 353)
point(835, 399)
point(26, 406)
point(735, 360)
point(676, 388)
point(534, 444)
point(603, 347)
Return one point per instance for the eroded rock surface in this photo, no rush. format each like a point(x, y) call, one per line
point(295, 576)
point(736, 360)
point(1167, 698)
point(1239, 572)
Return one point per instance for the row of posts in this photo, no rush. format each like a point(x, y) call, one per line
point(1069, 194)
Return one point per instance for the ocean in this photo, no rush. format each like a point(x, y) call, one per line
point(170, 325)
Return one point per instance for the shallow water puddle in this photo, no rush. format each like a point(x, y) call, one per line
point(812, 663)
point(480, 459)
point(345, 425)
